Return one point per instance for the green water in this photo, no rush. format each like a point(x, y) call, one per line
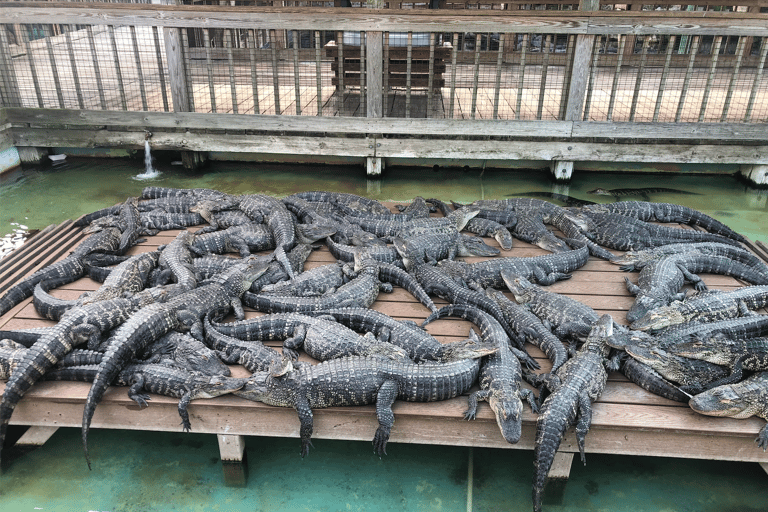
point(39, 197)
point(160, 471)
point(151, 471)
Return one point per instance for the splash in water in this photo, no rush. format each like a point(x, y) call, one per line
point(149, 170)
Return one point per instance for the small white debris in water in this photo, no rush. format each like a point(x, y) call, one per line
point(57, 158)
point(13, 239)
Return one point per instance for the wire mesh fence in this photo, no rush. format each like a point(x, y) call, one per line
point(455, 75)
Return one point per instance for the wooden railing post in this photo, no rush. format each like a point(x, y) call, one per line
point(373, 92)
point(577, 89)
point(177, 76)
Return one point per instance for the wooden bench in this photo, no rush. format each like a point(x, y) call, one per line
point(347, 70)
point(626, 419)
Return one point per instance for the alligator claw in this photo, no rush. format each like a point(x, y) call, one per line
point(305, 445)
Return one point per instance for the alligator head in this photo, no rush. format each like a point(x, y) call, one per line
point(219, 385)
point(475, 246)
point(509, 416)
point(646, 302)
point(517, 284)
point(194, 355)
point(657, 319)
point(723, 401)
point(462, 216)
point(311, 233)
point(471, 348)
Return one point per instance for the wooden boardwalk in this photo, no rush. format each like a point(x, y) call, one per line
point(626, 419)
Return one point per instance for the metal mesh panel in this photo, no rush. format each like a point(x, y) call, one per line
point(677, 79)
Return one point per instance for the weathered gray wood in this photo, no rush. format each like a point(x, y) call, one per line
point(454, 52)
point(184, 46)
point(385, 73)
point(209, 67)
point(431, 78)
point(36, 436)
point(275, 71)
point(252, 44)
point(581, 74)
point(139, 71)
point(363, 71)
point(118, 69)
point(96, 67)
point(687, 79)
point(758, 78)
point(546, 50)
point(598, 22)
point(475, 76)
point(36, 81)
point(734, 75)
point(177, 73)
point(441, 128)
point(54, 72)
point(639, 79)
point(160, 68)
point(374, 63)
point(664, 75)
point(497, 81)
point(616, 74)
point(715, 51)
point(318, 74)
point(9, 87)
point(408, 68)
point(592, 75)
point(521, 77)
point(73, 67)
point(228, 41)
point(568, 76)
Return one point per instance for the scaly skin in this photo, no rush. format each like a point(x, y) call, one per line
point(149, 323)
point(78, 325)
point(360, 381)
point(72, 267)
point(279, 221)
point(741, 400)
point(11, 354)
point(176, 260)
point(574, 387)
point(635, 260)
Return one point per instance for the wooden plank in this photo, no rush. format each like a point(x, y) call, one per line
point(664, 76)
point(585, 47)
point(734, 74)
point(36, 436)
point(715, 51)
point(254, 78)
point(758, 78)
point(228, 38)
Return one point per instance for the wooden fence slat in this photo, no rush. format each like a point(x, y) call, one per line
point(96, 67)
point(687, 79)
point(454, 53)
point(715, 51)
point(36, 80)
point(431, 78)
point(188, 82)
point(616, 73)
point(228, 41)
point(521, 77)
point(209, 66)
point(318, 74)
point(734, 74)
point(139, 71)
point(546, 50)
point(639, 79)
point(363, 73)
point(592, 75)
point(409, 64)
point(54, 72)
point(252, 44)
point(663, 82)
point(568, 78)
point(758, 78)
point(73, 67)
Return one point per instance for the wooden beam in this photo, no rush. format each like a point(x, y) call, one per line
point(36, 436)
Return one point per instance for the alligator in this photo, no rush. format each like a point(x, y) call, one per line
point(160, 379)
point(667, 212)
point(176, 260)
point(430, 248)
point(636, 260)
point(624, 233)
point(418, 208)
point(275, 271)
point(650, 380)
point(346, 253)
point(738, 355)
point(70, 268)
point(279, 221)
point(693, 375)
point(546, 269)
point(321, 337)
point(500, 373)
point(404, 227)
point(185, 351)
point(616, 193)
point(223, 220)
point(659, 283)
point(574, 386)
point(358, 202)
point(358, 380)
point(741, 400)
point(569, 318)
point(345, 231)
point(530, 326)
point(11, 354)
point(233, 240)
point(436, 282)
point(78, 325)
point(317, 281)
point(25, 337)
point(184, 310)
point(705, 307)
point(160, 220)
point(563, 198)
point(129, 223)
point(253, 355)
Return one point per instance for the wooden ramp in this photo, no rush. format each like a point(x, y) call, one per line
point(626, 419)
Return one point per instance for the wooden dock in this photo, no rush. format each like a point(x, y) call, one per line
point(626, 419)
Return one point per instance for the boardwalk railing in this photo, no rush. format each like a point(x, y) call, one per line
point(686, 67)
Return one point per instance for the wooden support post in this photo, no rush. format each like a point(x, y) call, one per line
point(558, 477)
point(36, 436)
point(562, 170)
point(32, 155)
point(764, 465)
point(233, 460)
point(373, 64)
point(177, 74)
point(757, 174)
point(374, 165)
